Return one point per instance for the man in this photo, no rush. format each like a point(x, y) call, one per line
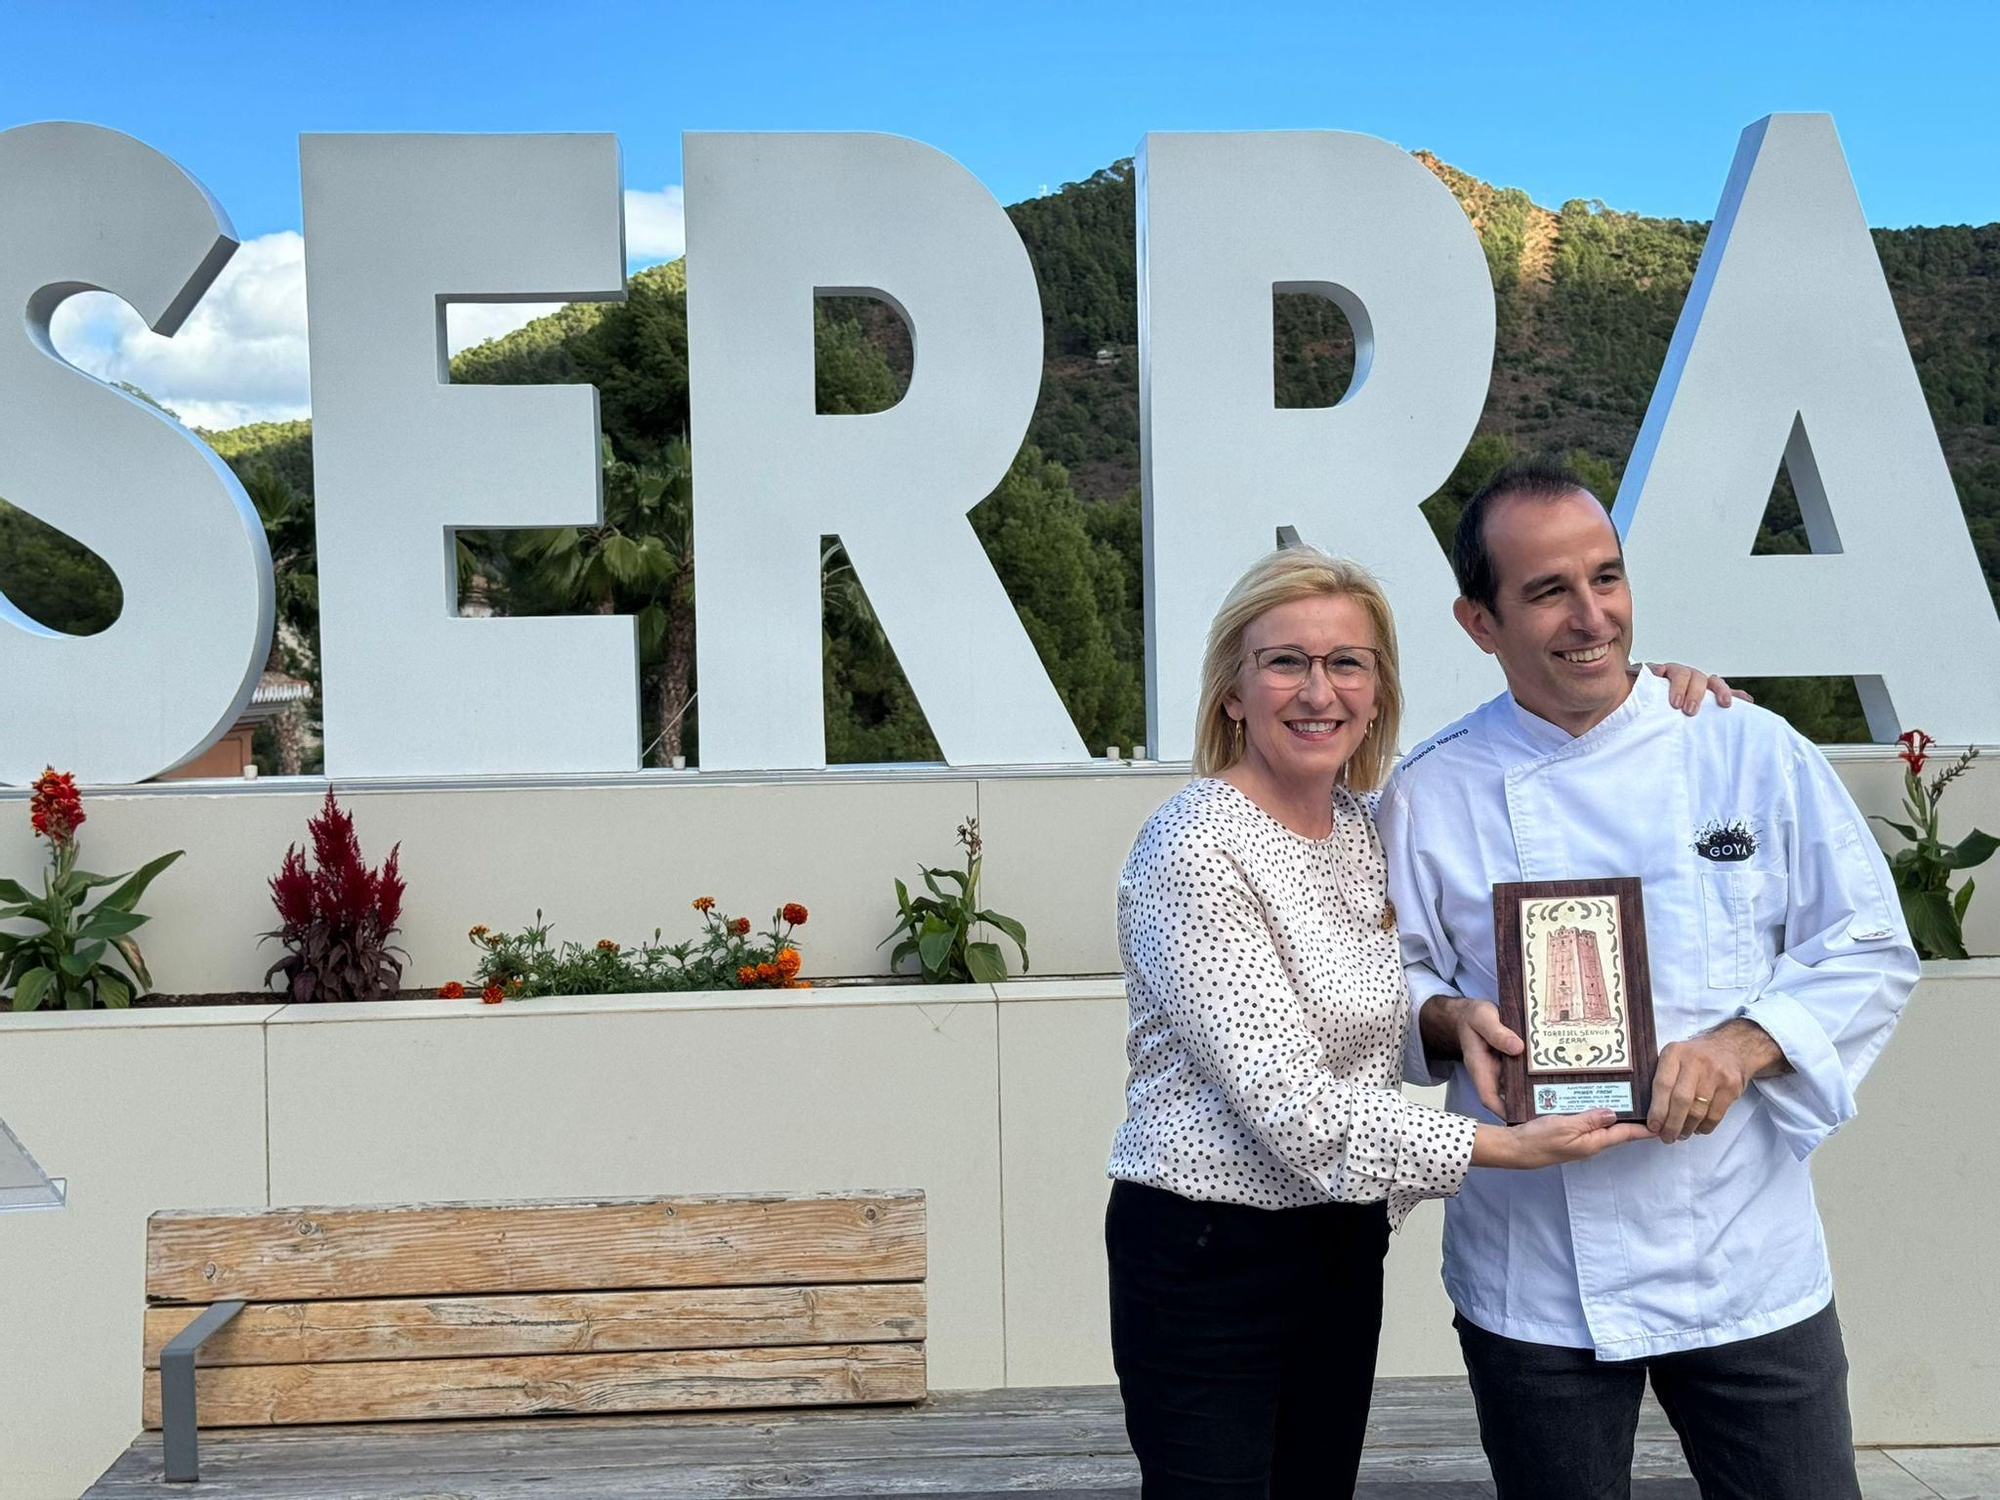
point(1779, 964)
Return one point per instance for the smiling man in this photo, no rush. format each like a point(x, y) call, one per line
point(1780, 964)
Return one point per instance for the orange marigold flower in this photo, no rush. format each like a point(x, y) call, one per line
point(740, 926)
point(478, 932)
point(607, 945)
point(452, 991)
point(704, 903)
point(766, 973)
point(746, 975)
point(788, 961)
point(492, 994)
point(794, 914)
point(797, 984)
point(516, 982)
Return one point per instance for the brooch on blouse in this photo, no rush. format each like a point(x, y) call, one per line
point(1388, 922)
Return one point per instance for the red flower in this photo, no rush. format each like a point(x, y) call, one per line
point(55, 809)
point(740, 926)
point(292, 890)
point(704, 903)
point(606, 945)
point(452, 991)
point(794, 913)
point(747, 975)
point(388, 892)
point(342, 886)
point(492, 994)
point(337, 887)
point(337, 915)
point(1914, 742)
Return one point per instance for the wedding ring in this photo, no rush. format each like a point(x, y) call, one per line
point(1701, 1100)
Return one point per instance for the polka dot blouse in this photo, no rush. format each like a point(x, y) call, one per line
point(1267, 1015)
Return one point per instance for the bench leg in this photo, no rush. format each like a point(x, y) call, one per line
point(177, 1419)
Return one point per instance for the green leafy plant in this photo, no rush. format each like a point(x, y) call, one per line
point(726, 956)
point(1923, 871)
point(63, 964)
point(937, 929)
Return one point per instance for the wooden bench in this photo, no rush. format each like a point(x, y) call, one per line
point(431, 1311)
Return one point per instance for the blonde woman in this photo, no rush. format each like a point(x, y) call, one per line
point(1266, 1151)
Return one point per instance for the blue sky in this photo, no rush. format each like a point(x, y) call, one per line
point(1638, 106)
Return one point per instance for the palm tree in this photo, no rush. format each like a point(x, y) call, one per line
point(668, 621)
point(843, 601)
point(639, 560)
point(287, 515)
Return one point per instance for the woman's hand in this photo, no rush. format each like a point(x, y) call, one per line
point(1687, 686)
point(1548, 1140)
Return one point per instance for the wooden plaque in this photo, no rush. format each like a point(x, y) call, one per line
point(1575, 988)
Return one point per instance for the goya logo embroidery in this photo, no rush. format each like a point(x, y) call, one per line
point(1726, 843)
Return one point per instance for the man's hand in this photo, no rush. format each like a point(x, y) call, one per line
point(1698, 1079)
point(1455, 1026)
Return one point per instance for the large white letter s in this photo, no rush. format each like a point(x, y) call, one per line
point(83, 208)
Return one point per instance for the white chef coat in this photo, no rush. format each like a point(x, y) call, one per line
point(1789, 918)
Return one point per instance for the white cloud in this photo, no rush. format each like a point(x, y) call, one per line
point(469, 323)
point(241, 355)
point(655, 227)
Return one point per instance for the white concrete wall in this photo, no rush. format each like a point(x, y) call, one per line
point(998, 1103)
point(1001, 1109)
point(138, 1110)
point(618, 857)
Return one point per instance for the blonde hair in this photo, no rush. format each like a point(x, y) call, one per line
point(1287, 575)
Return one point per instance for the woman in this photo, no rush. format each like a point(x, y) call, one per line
point(1266, 1150)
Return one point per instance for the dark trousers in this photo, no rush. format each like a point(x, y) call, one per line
point(1764, 1418)
point(1244, 1340)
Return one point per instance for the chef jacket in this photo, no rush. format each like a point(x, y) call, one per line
point(1765, 897)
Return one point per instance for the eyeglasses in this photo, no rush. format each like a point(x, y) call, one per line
point(1290, 666)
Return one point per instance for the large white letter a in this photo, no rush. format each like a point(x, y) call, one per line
point(1789, 345)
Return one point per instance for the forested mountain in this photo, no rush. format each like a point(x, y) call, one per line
point(1587, 300)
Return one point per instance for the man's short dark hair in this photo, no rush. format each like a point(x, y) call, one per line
point(1542, 477)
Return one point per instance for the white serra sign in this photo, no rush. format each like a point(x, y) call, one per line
point(1789, 347)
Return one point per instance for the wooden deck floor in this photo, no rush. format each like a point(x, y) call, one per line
point(1063, 1443)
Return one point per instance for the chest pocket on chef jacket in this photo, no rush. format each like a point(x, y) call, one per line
point(1735, 910)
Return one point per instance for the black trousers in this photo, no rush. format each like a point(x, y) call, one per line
point(1764, 1418)
point(1244, 1340)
